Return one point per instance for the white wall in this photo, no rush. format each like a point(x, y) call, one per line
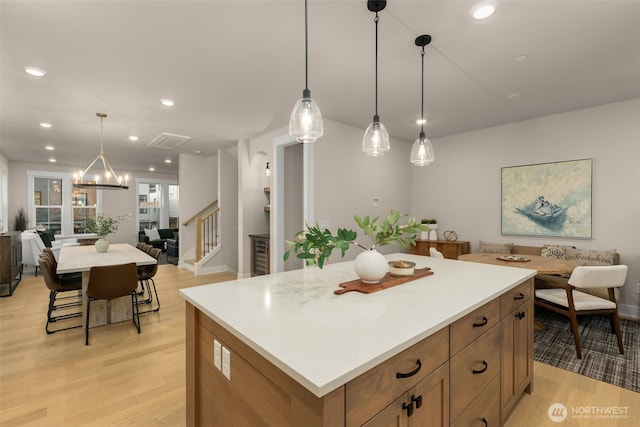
point(228, 203)
point(198, 178)
point(462, 188)
point(347, 180)
point(5, 222)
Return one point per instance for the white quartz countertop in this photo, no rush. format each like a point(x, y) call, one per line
point(323, 340)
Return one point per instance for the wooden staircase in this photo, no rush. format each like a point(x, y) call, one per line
point(207, 237)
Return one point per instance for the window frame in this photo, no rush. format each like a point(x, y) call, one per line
point(66, 213)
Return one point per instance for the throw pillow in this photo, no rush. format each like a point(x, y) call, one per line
point(152, 234)
point(553, 251)
point(495, 248)
point(590, 257)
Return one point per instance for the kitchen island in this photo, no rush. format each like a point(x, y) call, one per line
point(284, 350)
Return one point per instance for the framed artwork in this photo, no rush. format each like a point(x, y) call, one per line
point(548, 199)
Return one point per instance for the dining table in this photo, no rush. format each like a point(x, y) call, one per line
point(542, 264)
point(75, 259)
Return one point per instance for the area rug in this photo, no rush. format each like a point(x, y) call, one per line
point(601, 359)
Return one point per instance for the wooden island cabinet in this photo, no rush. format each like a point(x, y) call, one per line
point(282, 360)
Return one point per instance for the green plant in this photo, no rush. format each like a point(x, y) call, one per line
point(428, 221)
point(315, 245)
point(102, 225)
point(20, 222)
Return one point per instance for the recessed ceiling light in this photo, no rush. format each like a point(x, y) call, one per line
point(484, 9)
point(514, 95)
point(167, 160)
point(167, 102)
point(49, 147)
point(198, 152)
point(45, 125)
point(521, 58)
point(52, 160)
point(152, 169)
point(133, 138)
point(34, 72)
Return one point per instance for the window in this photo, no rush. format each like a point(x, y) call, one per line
point(54, 204)
point(47, 200)
point(158, 204)
point(84, 203)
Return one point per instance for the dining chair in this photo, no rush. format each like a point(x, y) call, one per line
point(56, 287)
point(146, 273)
point(109, 282)
point(65, 277)
point(571, 302)
point(146, 248)
point(140, 245)
point(433, 252)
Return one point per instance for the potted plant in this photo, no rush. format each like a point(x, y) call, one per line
point(102, 225)
point(20, 222)
point(315, 245)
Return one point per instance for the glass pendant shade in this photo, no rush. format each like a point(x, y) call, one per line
point(422, 151)
point(305, 124)
point(376, 139)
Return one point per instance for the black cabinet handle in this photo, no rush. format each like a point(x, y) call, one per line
point(519, 295)
point(484, 322)
point(486, 423)
point(412, 373)
point(520, 315)
point(417, 401)
point(479, 371)
point(408, 408)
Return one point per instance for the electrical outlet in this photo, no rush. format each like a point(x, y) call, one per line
point(217, 354)
point(376, 202)
point(226, 363)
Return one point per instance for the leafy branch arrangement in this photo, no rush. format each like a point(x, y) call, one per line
point(315, 245)
point(102, 225)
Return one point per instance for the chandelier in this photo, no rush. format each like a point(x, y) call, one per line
point(101, 178)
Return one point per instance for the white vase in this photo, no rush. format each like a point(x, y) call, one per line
point(102, 245)
point(371, 266)
point(433, 235)
point(424, 235)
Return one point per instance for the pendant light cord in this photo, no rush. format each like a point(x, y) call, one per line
point(306, 49)
point(422, 99)
point(376, 118)
point(101, 137)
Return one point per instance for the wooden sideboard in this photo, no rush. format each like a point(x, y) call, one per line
point(10, 262)
point(450, 250)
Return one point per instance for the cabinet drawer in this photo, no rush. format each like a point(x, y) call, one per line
point(464, 331)
point(472, 370)
point(486, 407)
point(515, 297)
point(378, 387)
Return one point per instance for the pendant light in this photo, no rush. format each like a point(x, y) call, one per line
point(422, 150)
point(376, 137)
point(305, 124)
point(101, 178)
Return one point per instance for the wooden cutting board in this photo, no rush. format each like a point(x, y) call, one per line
point(387, 281)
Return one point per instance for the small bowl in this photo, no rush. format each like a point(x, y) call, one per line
point(401, 268)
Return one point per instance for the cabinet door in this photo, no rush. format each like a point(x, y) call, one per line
point(391, 416)
point(434, 390)
point(424, 405)
point(516, 347)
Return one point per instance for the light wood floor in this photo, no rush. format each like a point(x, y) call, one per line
point(126, 379)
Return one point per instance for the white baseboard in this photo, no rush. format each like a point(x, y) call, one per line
point(629, 311)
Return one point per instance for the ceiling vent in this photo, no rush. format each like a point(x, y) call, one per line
point(168, 141)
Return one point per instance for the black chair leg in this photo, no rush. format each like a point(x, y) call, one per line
point(135, 312)
point(86, 325)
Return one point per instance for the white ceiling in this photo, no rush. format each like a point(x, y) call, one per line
point(236, 68)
